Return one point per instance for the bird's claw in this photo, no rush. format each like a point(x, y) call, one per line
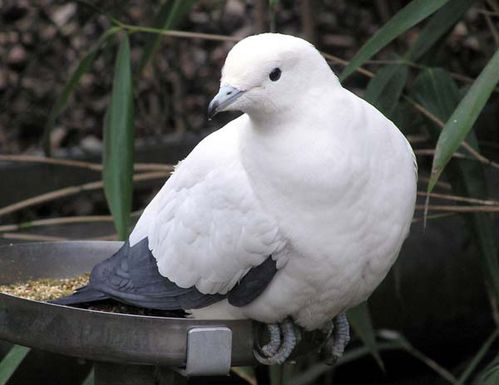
point(337, 338)
point(274, 343)
point(283, 338)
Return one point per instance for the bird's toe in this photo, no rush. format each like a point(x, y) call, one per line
point(339, 337)
point(282, 341)
point(274, 343)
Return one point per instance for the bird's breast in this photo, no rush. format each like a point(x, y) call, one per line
point(344, 206)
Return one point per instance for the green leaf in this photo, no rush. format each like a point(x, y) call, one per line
point(479, 356)
point(11, 362)
point(360, 320)
point(404, 344)
point(118, 143)
point(276, 374)
point(313, 372)
point(404, 19)
point(438, 93)
point(62, 101)
point(491, 375)
point(90, 379)
point(463, 118)
point(247, 373)
point(385, 88)
point(438, 25)
point(169, 16)
point(100, 11)
point(470, 181)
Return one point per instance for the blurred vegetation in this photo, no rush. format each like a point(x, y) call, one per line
point(432, 66)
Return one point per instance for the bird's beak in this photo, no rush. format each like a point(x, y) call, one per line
point(225, 97)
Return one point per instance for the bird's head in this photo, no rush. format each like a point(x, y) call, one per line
point(269, 73)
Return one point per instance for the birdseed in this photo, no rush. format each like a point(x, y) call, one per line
point(45, 289)
point(50, 289)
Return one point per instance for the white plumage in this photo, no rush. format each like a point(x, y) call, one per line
point(310, 174)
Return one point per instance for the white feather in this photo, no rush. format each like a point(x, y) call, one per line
point(311, 174)
point(205, 227)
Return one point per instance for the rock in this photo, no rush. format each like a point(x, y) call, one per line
point(17, 57)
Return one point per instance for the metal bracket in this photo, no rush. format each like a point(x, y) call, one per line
point(209, 351)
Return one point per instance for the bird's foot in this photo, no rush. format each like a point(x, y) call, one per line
point(283, 337)
point(337, 338)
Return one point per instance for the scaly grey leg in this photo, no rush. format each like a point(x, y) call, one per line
point(275, 340)
point(339, 336)
point(276, 354)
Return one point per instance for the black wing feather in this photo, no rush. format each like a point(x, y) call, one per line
point(253, 283)
point(131, 276)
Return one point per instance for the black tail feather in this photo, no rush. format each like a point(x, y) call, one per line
point(82, 295)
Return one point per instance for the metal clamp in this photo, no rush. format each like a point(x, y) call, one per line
point(209, 351)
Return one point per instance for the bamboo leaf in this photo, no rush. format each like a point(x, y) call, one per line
point(437, 92)
point(11, 362)
point(313, 372)
point(246, 373)
point(272, 14)
point(438, 25)
point(468, 179)
point(360, 320)
point(276, 375)
point(169, 16)
point(385, 88)
point(479, 356)
point(62, 101)
point(404, 344)
point(118, 143)
point(90, 379)
point(404, 19)
point(100, 11)
point(490, 375)
point(463, 118)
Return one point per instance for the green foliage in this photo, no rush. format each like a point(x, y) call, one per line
point(436, 91)
point(315, 371)
point(385, 88)
point(118, 143)
point(11, 362)
point(169, 16)
point(478, 358)
point(118, 123)
point(463, 118)
point(360, 320)
point(90, 379)
point(406, 18)
point(490, 376)
point(273, 8)
point(438, 25)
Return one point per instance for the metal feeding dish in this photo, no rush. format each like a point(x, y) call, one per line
point(196, 347)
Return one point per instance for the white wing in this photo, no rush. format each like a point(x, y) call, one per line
point(206, 227)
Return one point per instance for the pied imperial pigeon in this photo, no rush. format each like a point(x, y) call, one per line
point(288, 215)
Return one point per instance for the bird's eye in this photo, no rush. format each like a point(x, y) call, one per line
point(275, 74)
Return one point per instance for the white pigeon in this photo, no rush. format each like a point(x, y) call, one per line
point(288, 215)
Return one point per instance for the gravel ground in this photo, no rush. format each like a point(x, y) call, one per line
point(41, 41)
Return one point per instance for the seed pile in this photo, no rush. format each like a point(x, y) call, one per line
point(45, 289)
point(50, 289)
